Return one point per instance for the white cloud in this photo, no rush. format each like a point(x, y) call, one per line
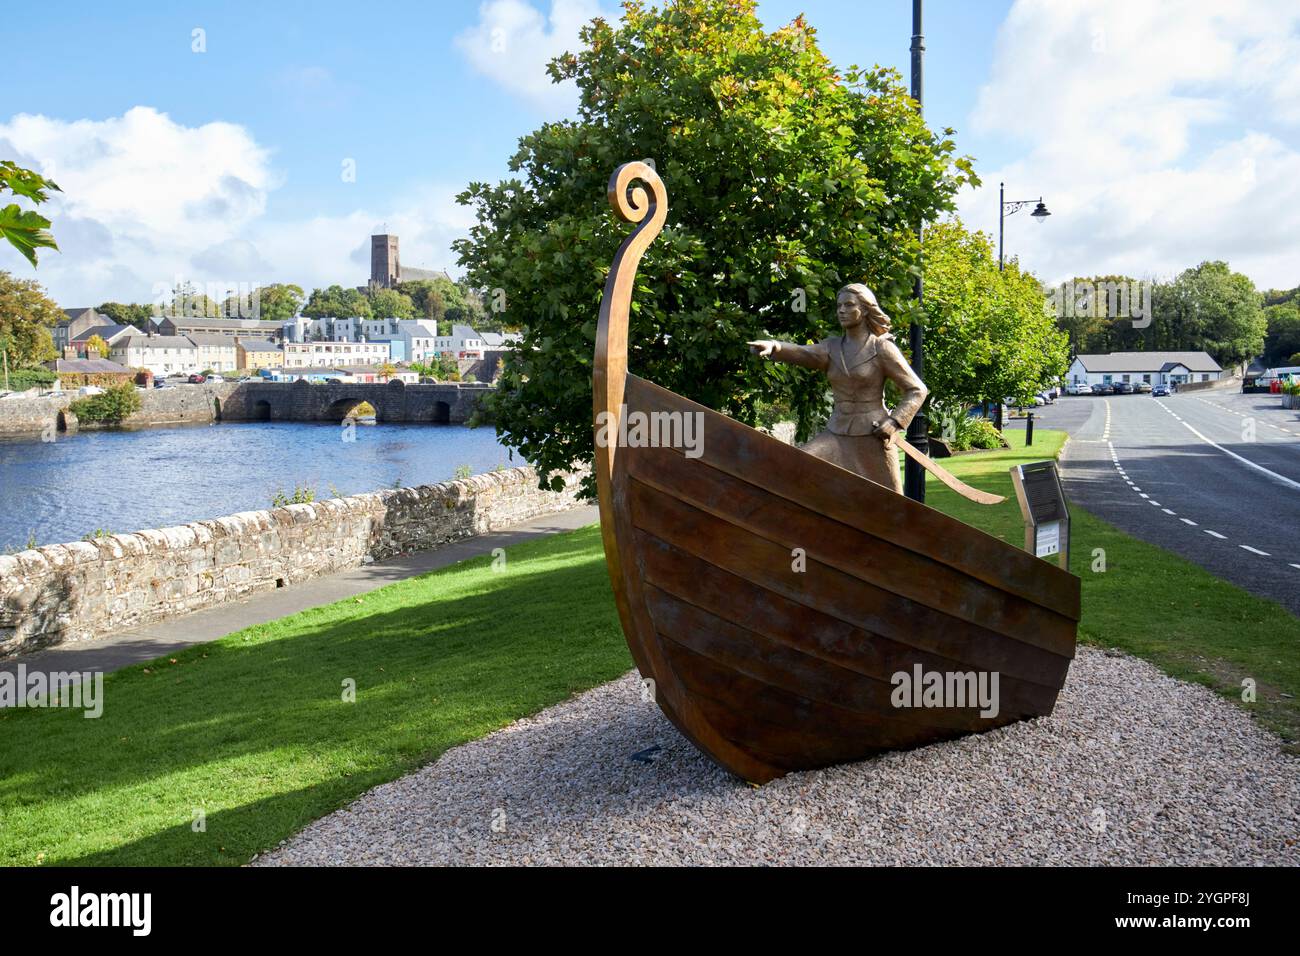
point(1159, 132)
point(147, 200)
point(513, 41)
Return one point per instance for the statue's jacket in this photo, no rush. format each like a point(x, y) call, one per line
point(858, 381)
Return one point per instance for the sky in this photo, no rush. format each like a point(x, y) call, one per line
point(245, 143)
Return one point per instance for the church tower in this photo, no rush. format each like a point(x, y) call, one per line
point(385, 268)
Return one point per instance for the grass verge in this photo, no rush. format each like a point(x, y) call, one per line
point(1146, 601)
point(253, 730)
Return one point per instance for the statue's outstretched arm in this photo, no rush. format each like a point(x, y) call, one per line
point(809, 356)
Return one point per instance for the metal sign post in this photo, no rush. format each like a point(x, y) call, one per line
point(1042, 502)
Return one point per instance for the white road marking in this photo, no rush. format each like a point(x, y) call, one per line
point(1215, 533)
point(1150, 502)
point(1146, 496)
point(1247, 547)
point(1281, 479)
point(1168, 512)
point(1297, 566)
point(1188, 521)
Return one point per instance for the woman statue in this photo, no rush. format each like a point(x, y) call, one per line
point(859, 433)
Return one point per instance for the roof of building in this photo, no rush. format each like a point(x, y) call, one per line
point(74, 314)
point(259, 345)
point(105, 332)
point(211, 340)
point(1148, 362)
point(88, 366)
point(498, 339)
point(464, 332)
point(154, 342)
point(188, 322)
point(408, 274)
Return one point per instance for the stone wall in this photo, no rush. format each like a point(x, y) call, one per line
point(87, 590)
point(447, 403)
point(191, 404)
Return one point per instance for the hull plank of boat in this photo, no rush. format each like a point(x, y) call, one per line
point(767, 669)
point(780, 619)
point(829, 490)
point(892, 568)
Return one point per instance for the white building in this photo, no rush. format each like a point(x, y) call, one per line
point(215, 351)
point(1155, 368)
point(410, 340)
point(161, 354)
point(463, 342)
point(334, 353)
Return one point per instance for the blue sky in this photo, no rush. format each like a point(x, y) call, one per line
point(1123, 113)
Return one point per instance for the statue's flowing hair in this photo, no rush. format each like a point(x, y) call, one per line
point(866, 299)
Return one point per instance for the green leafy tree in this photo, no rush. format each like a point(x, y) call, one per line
point(787, 178)
point(1211, 308)
point(435, 299)
point(987, 331)
point(1282, 336)
point(127, 314)
point(337, 302)
point(25, 229)
point(278, 302)
point(27, 315)
point(391, 304)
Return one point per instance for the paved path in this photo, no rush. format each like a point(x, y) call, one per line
point(1213, 476)
point(164, 637)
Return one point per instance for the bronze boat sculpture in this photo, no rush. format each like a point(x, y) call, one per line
point(774, 598)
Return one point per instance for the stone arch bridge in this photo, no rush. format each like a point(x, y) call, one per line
point(447, 403)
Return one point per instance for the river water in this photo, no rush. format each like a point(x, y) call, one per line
point(128, 480)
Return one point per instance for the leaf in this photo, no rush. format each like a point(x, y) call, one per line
point(26, 231)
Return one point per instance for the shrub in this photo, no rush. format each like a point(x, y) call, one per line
point(21, 379)
point(110, 407)
point(302, 495)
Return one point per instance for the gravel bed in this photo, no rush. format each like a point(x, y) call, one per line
point(1134, 767)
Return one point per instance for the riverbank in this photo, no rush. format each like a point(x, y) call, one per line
point(444, 403)
point(86, 589)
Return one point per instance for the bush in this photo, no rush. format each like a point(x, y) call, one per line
point(110, 407)
point(980, 433)
point(302, 495)
point(21, 379)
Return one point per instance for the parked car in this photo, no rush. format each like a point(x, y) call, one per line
point(1039, 400)
point(1142, 387)
point(1160, 391)
point(196, 379)
point(1084, 389)
point(215, 380)
point(1103, 388)
point(1123, 388)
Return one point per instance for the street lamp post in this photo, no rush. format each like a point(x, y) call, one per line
point(1039, 215)
point(918, 429)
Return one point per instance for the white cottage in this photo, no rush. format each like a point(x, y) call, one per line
point(1154, 368)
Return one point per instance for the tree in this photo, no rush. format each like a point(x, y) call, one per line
point(337, 302)
point(787, 178)
point(97, 346)
point(278, 302)
point(435, 298)
point(110, 407)
point(26, 316)
point(1211, 308)
point(134, 314)
point(1282, 336)
point(391, 304)
point(25, 229)
point(987, 332)
point(188, 302)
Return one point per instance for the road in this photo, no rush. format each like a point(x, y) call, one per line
point(1213, 476)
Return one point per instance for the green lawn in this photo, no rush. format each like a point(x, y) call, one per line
point(1148, 601)
point(253, 729)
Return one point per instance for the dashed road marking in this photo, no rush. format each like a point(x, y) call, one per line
point(1214, 533)
point(1246, 547)
point(1188, 521)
